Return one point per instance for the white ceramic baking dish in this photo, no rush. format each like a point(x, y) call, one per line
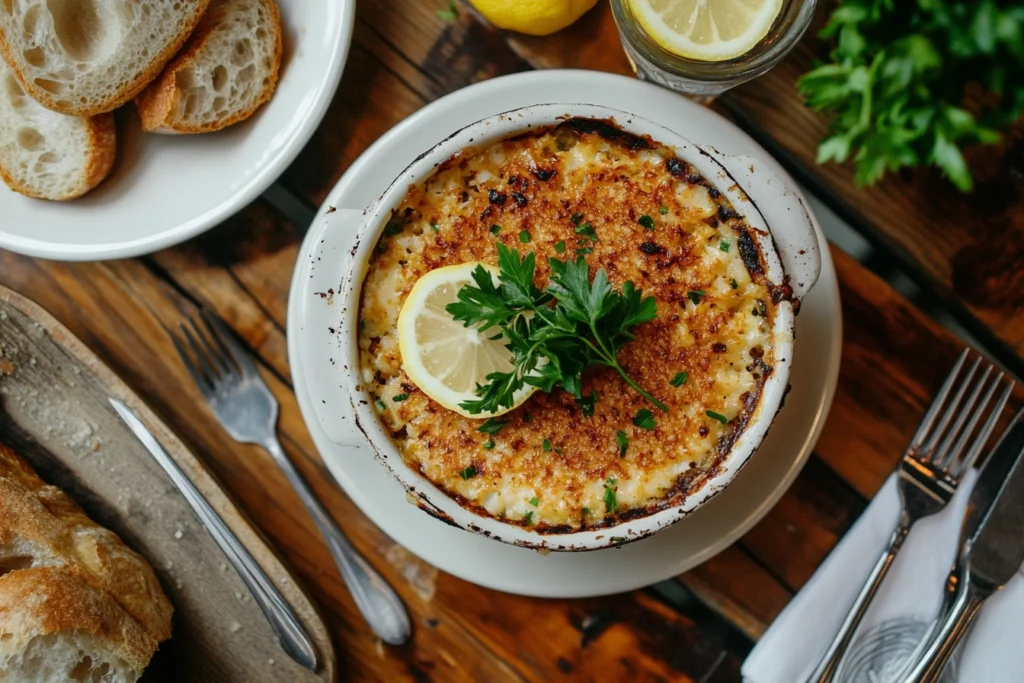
point(332, 268)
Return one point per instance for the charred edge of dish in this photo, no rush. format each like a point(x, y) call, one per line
point(609, 130)
point(423, 503)
point(750, 400)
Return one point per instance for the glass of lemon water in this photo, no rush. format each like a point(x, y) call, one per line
point(704, 47)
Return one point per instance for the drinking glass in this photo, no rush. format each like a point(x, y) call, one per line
point(706, 79)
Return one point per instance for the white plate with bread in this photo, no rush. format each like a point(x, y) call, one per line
point(127, 126)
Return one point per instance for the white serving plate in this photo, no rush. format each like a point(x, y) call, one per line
point(165, 189)
point(687, 543)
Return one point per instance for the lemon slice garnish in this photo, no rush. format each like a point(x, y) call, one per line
point(708, 30)
point(441, 356)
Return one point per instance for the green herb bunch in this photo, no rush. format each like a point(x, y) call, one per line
point(899, 76)
point(555, 334)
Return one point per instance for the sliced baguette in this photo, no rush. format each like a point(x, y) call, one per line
point(86, 57)
point(48, 155)
point(41, 526)
point(227, 69)
point(55, 627)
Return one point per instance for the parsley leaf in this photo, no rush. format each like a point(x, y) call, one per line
point(646, 221)
point(534, 501)
point(896, 80)
point(546, 446)
point(587, 404)
point(398, 398)
point(644, 419)
point(586, 229)
point(468, 473)
point(623, 441)
point(489, 444)
point(696, 296)
point(717, 416)
point(450, 13)
point(560, 247)
point(724, 245)
point(680, 379)
point(495, 229)
point(492, 425)
point(611, 503)
point(663, 210)
point(556, 334)
point(524, 236)
point(528, 517)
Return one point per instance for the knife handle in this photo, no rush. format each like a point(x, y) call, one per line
point(954, 625)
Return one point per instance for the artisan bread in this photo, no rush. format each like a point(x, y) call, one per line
point(56, 628)
point(224, 73)
point(86, 57)
point(48, 155)
point(42, 530)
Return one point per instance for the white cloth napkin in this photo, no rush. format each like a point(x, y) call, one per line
point(789, 651)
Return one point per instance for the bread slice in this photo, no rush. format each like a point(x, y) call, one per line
point(86, 57)
point(224, 73)
point(40, 526)
point(56, 627)
point(48, 155)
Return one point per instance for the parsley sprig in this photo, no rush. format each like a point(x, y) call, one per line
point(896, 80)
point(555, 334)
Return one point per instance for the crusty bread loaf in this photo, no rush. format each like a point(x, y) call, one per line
point(41, 528)
point(226, 70)
point(86, 57)
point(48, 155)
point(56, 628)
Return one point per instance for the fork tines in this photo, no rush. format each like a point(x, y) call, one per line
point(950, 438)
point(216, 357)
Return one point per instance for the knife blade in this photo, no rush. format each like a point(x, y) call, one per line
point(294, 639)
point(992, 552)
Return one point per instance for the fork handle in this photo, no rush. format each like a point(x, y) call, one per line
point(949, 631)
point(833, 657)
point(380, 606)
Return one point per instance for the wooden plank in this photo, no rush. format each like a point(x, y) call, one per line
point(54, 411)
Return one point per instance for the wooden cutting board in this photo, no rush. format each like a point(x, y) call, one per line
point(54, 412)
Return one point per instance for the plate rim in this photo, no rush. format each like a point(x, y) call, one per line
point(822, 405)
point(212, 217)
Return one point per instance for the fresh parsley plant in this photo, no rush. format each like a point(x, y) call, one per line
point(555, 334)
point(897, 79)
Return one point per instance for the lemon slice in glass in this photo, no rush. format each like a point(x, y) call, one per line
point(445, 359)
point(707, 30)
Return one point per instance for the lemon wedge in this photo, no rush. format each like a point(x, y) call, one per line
point(441, 356)
point(707, 30)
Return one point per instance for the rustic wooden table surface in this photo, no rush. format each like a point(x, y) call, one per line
point(966, 253)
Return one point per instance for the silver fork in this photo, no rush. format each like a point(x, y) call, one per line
point(243, 404)
point(942, 450)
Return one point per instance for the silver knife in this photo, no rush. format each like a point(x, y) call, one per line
point(290, 632)
point(992, 552)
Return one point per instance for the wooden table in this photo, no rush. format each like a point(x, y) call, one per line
point(968, 254)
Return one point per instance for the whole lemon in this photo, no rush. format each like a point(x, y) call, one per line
point(535, 17)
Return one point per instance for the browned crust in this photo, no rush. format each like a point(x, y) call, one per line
point(71, 605)
point(102, 152)
point(145, 77)
point(156, 102)
point(46, 518)
point(556, 414)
